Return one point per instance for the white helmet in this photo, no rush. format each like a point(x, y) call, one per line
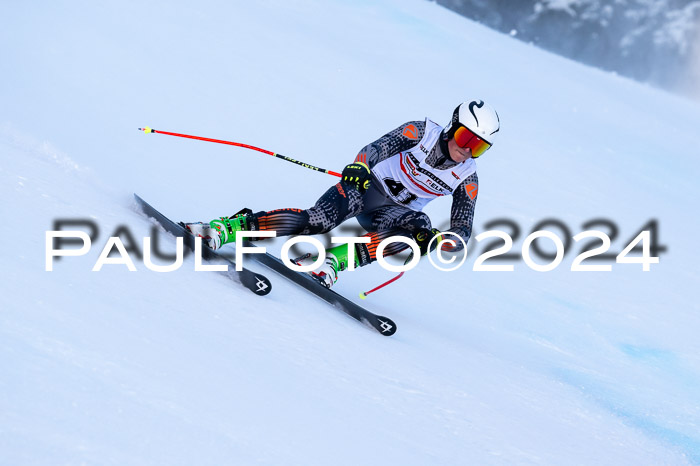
point(477, 116)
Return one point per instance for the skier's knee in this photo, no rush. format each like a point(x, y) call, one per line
point(414, 221)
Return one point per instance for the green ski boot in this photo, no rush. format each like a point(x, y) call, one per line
point(336, 261)
point(221, 230)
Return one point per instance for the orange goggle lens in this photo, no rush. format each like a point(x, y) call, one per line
point(465, 138)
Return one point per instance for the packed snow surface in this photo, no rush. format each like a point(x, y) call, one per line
point(521, 367)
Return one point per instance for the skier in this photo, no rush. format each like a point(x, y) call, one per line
point(385, 188)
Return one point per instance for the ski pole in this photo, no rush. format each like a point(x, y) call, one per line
point(363, 295)
point(246, 146)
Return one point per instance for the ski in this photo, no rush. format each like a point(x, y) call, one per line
point(383, 325)
point(255, 282)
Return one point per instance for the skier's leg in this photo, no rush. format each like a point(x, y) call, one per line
point(382, 221)
point(334, 207)
point(394, 217)
point(385, 222)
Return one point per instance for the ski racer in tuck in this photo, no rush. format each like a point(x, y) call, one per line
point(385, 188)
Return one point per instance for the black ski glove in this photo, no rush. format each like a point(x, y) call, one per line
point(357, 175)
point(423, 238)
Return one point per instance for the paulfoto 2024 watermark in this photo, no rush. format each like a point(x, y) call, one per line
point(641, 249)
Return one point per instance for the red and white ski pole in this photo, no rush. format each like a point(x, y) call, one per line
point(245, 146)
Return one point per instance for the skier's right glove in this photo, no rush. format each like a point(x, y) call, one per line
point(424, 237)
point(357, 175)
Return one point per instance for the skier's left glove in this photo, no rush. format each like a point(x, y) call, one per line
point(357, 175)
point(423, 238)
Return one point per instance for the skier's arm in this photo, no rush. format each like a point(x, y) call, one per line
point(463, 203)
point(402, 138)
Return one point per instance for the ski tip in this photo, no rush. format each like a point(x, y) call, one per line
point(385, 326)
point(363, 295)
point(146, 130)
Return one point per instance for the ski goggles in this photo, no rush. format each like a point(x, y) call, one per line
point(466, 139)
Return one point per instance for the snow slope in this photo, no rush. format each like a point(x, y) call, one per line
point(119, 367)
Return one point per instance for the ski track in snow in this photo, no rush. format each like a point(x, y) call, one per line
point(119, 367)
